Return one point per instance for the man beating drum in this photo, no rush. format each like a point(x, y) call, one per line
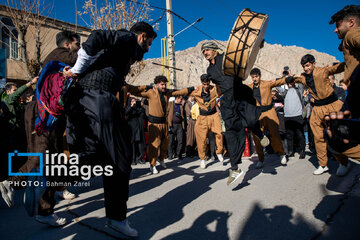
point(238, 108)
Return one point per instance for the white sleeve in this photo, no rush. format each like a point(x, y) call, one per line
point(82, 62)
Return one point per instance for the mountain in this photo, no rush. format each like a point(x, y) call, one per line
point(271, 60)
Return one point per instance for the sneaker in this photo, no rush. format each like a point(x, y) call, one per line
point(342, 170)
point(264, 141)
point(320, 170)
point(212, 158)
point(234, 175)
point(52, 220)
point(65, 195)
point(153, 170)
point(259, 164)
point(220, 157)
point(302, 155)
point(283, 159)
point(162, 163)
point(202, 164)
point(7, 193)
point(122, 227)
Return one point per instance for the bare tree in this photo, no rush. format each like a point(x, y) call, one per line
point(114, 15)
point(26, 13)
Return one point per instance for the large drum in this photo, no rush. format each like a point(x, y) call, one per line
point(244, 43)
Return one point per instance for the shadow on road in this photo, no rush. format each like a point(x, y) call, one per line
point(275, 223)
point(199, 229)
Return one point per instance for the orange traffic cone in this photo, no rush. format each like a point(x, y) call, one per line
point(246, 153)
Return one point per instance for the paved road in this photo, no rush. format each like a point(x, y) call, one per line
point(184, 202)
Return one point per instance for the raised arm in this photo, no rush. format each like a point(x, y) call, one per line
point(337, 68)
point(182, 92)
point(139, 91)
point(278, 82)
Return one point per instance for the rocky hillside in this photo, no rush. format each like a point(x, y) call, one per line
point(271, 60)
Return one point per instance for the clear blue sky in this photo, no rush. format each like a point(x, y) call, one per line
point(300, 23)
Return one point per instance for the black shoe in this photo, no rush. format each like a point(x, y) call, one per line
point(291, 155)
point(171, 157)
point(302, 155)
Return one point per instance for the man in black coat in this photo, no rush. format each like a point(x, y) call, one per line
point(238, 108)
point(96, 128)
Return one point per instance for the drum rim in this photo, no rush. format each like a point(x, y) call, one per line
point(237, 68)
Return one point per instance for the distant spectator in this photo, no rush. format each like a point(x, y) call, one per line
point(340, 92)
point(343, 86)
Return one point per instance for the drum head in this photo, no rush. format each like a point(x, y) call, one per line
point(244, 43)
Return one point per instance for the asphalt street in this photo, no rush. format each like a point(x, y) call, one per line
point(185, 202)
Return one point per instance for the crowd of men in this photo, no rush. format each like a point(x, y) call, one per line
point(118, 124)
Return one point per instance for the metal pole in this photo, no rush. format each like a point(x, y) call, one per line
point(171, 43)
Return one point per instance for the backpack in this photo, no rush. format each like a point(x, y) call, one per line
point(51, 91)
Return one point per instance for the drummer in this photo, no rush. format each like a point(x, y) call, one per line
point(268, 119)
point(238, 108)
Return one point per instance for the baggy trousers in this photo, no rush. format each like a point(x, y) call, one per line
point(97, 132)
point(190, 136)
point(353, 153)
point(52, 141)
point(317, 126)
point(158, 141)
point(203, 125)
point(269, 121)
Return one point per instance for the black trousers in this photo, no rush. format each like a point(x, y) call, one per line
point(212, 144)
point(176, 132)
point(295, 128)
point(239, 114)
point(98, 133)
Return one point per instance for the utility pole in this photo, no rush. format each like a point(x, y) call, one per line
point(171, 43)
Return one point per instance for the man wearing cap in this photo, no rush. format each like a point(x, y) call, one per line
point(208, 119)
point(238, 108)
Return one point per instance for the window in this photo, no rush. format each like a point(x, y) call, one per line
point(9, 39)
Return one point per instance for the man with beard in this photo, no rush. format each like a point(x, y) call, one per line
point(158, 97)
point(347, 22)
point(96, 129)
point(208, 119)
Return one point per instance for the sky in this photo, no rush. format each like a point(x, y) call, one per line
point(300, 23)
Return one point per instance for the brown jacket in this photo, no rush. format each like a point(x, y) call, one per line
point(155, 108)
point(63, 55)
point(187, 109)
point(265, 90)
point(214, 93)
point(351, 50)
point(170, 114)
point(321, 80)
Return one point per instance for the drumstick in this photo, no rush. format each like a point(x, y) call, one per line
point(167, 66)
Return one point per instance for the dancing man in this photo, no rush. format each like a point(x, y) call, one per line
point(268, 119)
point(238, 108)
point(316, 80)
point(208, 119)
point(96, 128)
point(158, 127)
